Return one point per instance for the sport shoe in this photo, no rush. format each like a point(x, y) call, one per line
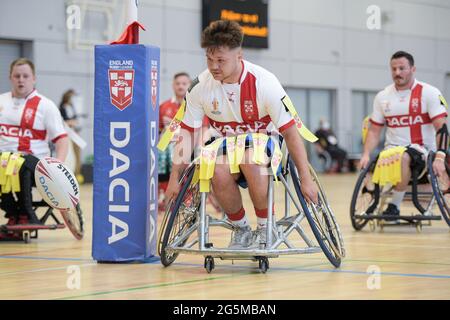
point(240, 238)
point(259, 238)
point(391, 210)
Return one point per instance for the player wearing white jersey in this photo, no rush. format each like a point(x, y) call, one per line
point(415, 115)
point(237, 97)
point(28, 121)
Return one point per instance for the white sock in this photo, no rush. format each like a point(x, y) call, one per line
point(397, 198)
point(241, 223)
point(262, 222)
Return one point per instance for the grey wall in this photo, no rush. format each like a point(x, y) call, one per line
point(312, 44)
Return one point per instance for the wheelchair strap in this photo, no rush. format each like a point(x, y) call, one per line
point(168, 134)
point(9, 171)
point(235, 148)
point(389, 166)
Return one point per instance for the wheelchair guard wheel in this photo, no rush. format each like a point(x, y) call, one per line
point(321, 220)
point(442, 197)
point(365, 197)
point(180, 216)
point(74, 221)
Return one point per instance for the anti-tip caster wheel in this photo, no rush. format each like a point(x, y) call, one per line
point(419, 227)
point(26, 236)
point(209, 264)
point(263, 264)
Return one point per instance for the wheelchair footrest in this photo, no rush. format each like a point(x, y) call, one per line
point(395, 217)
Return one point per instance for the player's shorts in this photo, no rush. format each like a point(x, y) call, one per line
point(241, 181)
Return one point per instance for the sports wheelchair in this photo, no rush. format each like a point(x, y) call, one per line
point(73, 218)
point(369, 199)
point(186, 225)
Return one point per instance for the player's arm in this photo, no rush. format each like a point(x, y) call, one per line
point(376, 124)
point(62, 148)
point(297, 151)
point(438, 114)
point(185, 144)
point(372, 141)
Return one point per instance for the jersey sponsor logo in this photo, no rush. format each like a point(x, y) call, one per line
point(18, 132)
point(121, 87)
point(154, 82)
point(408, 120)
point(232, 128)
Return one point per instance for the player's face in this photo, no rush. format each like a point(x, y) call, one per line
point(22, 80)
point(224, 63)
point(181, 85)
point(402, 72)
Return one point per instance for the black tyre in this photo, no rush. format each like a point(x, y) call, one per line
point(180, 216)
point(365, 198)
point(321, 220)
point(442, 196)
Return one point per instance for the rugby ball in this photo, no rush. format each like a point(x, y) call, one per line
point(57, 184)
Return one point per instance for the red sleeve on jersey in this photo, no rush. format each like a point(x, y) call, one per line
point(287, 126)
point(59, 137)
point(376, 123)
point(442, 115)
point(185, 126)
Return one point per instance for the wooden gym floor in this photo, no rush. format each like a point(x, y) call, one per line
point(407, 265)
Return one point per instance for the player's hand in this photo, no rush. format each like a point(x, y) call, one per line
point(309, 190)
point(173, 188)
point(441, 173)
point(364, 161)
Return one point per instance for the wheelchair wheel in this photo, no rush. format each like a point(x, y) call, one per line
point(321, 219)
point(442, 196)
point(365, 198)
point(74, 221)
point(180, 216)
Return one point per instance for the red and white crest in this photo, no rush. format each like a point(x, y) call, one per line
point(248, 106)
point(415, 104)
point(121, 87)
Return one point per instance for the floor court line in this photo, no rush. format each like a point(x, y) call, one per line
point(351, 272)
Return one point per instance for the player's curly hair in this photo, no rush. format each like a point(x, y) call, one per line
point(222, 33)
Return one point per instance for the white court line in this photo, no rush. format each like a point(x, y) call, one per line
point(46, 269)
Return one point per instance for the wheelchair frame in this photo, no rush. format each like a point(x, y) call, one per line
point(325, 228)
point(373, 213)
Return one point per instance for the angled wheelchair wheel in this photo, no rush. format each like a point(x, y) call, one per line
point(74, 221)
point(365, 198)
point(180, 215)
point(321, 219)
point(442, 196)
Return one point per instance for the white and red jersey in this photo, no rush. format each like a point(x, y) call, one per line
point(28, 124)
point(408, 114)
point(247, 106)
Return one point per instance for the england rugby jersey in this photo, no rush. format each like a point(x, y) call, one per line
point(28, 124)
point(408, 114)
point(247, 106)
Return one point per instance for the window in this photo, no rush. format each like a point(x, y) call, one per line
point(362, 104)
point(313, 105)
point(9, 51)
